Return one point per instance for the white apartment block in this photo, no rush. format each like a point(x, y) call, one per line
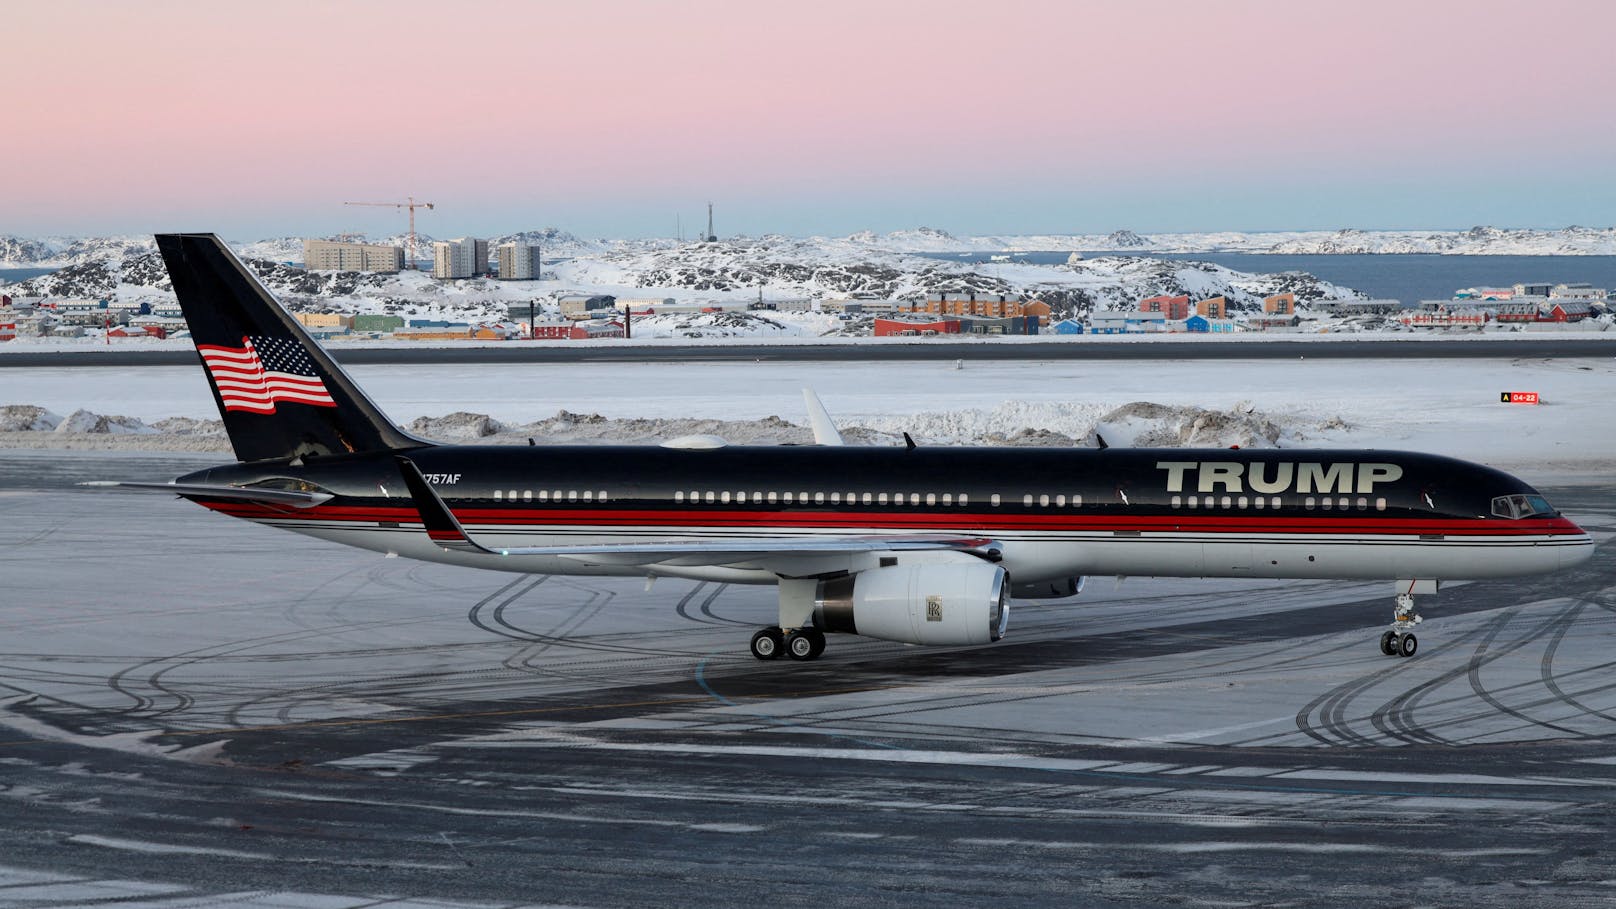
point(331, 255)
point(462, 258)
point(519, 262)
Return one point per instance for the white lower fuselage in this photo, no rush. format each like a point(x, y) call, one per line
point(1031, 556)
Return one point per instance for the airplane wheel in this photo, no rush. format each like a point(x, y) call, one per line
point(1388, 643)
point(767, 643)
point(1408, 645)
point(818, 637)
point(800, 645)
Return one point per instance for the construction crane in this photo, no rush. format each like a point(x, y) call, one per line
point(412, 205)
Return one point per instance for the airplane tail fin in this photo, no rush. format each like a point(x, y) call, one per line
point(280, 394)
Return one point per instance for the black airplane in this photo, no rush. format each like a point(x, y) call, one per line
point(914, 544)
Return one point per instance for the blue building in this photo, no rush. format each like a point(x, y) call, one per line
point(1068, 327)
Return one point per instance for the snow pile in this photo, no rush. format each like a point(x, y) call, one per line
point(567, 428)
point(735, 325)
point(1143, 424)
point(83, 421)
point(1138, 424)
point(1059, 422)
point(190, 426)
point(459, 426)
point(27, 418)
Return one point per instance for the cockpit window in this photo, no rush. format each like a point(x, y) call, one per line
point(1520, 506)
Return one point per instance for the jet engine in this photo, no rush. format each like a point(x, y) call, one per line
point(918, 604)
point(1058, 589)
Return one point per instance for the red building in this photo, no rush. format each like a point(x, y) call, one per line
point(577, 331)
point(137, 331)
point(1515, 312)
point(1173, 308)
point(1447, 318)
point(1566, 311)
point(894, 327)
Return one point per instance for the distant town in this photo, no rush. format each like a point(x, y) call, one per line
point(561, 315)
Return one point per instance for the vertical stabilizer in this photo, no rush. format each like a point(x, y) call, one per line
point(280, 394)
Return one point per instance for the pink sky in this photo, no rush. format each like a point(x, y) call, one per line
point(826, 117)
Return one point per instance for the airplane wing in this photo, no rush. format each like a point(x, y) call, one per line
point(772, 553)
point(247, 494)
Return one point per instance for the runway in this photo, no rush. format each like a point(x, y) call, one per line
point(1099, 349)
point(199, 711)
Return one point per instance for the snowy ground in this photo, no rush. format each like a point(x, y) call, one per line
point(200, 712)
point(1443, 406)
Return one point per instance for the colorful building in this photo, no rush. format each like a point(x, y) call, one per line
point(885, 328)
point(996, 306)
point(1200, 324)
point(1173, 308)
point(1122, 322)
point(1566, 311)
point(1279, 304)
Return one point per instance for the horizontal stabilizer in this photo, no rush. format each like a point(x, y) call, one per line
point(201, 490)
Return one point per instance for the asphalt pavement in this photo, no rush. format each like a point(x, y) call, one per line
point(199, 711)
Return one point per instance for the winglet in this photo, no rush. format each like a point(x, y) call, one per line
point(825, 432)
point(439, 522)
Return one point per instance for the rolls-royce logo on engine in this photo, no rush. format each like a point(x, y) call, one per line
point(934, 609)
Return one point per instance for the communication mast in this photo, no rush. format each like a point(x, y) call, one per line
point(711, 237)
point(412, 205)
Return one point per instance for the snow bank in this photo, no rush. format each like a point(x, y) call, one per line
point(83, 421)
point(27, 418)
point(1030, 424)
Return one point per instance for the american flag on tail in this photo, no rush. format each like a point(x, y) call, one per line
point(263, 371)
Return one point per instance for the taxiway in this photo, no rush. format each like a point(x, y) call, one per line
point(198, 710)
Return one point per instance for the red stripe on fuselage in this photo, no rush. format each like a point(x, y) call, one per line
point(1346, 523)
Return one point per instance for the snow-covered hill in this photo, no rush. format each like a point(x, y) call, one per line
point(773, 268)
point(57, 252)
point(818, 268)
point(1477, 241)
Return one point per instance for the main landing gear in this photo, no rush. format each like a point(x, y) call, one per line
point(793, 637)
point(799, 643)
point(1400, 640)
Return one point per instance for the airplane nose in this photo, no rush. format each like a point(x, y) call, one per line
point(1578, 553)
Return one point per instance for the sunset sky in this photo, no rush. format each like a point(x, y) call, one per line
point(614, 118)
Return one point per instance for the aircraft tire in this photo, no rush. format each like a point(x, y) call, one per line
point(767, 644)
point(800, 645)
point(1388, 643)
point(1407, 645)
point(818, 637)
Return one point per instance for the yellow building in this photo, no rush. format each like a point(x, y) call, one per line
point(993, 306)
point(324, 320)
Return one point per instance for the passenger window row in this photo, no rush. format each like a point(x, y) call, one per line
point(726, 497)
point(549, 495)
point(1259, 503)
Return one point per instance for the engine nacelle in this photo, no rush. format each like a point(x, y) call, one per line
point(918, 604)
point(1058, 589)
